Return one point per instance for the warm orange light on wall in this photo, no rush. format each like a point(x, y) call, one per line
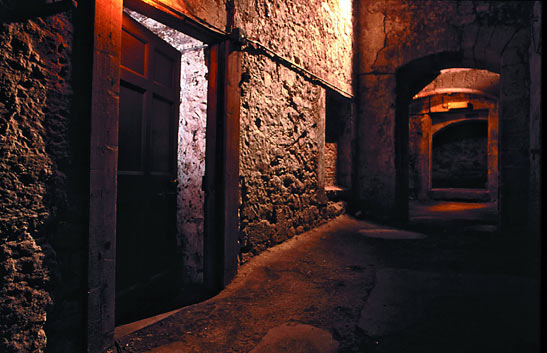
point(169, 5)
point(458, 105)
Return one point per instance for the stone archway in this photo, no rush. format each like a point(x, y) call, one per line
point(401, 49)
point(512, 125)
point(431, 111)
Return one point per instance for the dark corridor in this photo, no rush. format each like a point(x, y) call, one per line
point(328, 187)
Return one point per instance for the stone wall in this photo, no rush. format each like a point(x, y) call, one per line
point(414, 40)
point(282, 133)
point(316, 34)
point(282, 115)
point(331, 163)
point(42, 192)
point(459, 156)
point(44, 133)
point(191, 159)
point(281, 147)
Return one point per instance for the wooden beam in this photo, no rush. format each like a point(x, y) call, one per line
point(212, 233)
point(103, 169)
point(232, 103)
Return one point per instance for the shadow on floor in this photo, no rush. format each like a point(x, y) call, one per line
point(364, 287)
point(453, 216)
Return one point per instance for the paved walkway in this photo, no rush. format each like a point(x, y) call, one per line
point(355, 286)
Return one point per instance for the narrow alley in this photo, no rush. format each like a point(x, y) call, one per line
point(355, 286)
point(270, 176)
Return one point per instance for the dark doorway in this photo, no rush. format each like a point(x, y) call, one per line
point(121, 282)
point(146, 265)
point(459, 156)
point(338, 140)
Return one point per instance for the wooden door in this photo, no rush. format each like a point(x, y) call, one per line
point(146, 206)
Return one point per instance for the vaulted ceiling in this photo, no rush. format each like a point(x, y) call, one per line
point(463, 80)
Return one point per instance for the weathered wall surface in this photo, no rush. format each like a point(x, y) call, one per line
point(281, 147)
point(331, 163)
point(191, 159)
point(43, 180)
point(42, 217)
point(282, 122)
point(317, 35)
point(191, 145)
point(210, 12)
point(467, 80)
point(282, 133)
point(478, 34)
point(459, 156)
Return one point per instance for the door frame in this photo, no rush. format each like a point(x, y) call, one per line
point(221, 181)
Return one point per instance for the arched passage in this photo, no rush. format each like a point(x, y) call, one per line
point(451, 143)
point(397, 62)
point(435, 109)
point(415, 76)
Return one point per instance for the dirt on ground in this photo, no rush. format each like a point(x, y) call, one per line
point(369, 288)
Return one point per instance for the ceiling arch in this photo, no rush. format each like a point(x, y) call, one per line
point(463, 80)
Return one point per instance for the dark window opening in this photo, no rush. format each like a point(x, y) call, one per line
point(338, 141)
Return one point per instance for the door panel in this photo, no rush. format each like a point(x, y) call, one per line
point(161, 147)
point(130, 129)
point(163, 69)
point(133, 52)
point(146, 207)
